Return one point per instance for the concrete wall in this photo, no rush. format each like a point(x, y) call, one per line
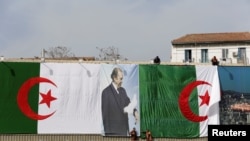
point(29, 137)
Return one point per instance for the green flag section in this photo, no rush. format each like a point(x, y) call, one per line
point(178, 101)
point(12, 76)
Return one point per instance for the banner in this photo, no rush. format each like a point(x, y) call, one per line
point(120, 99)
point(178, 101)
point(50, 98)
point(112, 99)
point(235, 102)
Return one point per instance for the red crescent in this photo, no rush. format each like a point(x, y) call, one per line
point(184, 102)
point(22, 98)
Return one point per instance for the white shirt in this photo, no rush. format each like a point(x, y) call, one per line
point(115, 87)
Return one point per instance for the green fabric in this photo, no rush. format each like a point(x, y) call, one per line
point(12, 76)
point(160, 87)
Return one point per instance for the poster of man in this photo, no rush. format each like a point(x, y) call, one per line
point(120, 99)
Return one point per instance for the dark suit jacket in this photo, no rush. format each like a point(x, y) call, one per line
point(115, 121)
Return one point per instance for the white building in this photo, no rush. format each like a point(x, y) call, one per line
point(229, 48)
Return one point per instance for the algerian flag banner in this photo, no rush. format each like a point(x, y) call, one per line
point(178, 101)
point(50, 98)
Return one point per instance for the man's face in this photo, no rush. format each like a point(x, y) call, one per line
point(118, 79)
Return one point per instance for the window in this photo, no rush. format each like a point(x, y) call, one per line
point(241, 55)
point(204, 56)
point(224, 54)
point(188, 55)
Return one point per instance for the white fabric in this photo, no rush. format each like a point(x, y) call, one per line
point(78, 104)
point(208, 74)
point(132, 105)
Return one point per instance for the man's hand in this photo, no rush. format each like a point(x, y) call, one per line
point(131, 106)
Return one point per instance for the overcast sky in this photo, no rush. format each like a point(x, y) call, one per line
point(139, 29)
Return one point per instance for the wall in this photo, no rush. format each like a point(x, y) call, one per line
point(178, 53)
point(30, 137)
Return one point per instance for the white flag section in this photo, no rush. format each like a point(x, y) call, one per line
point(208, 74)
point(77, 107)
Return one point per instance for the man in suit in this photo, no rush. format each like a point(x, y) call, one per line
point(115, 106)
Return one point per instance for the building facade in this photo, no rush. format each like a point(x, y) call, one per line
point(229, 48)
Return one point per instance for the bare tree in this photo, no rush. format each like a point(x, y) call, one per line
point(59, 52)
point(109, 54)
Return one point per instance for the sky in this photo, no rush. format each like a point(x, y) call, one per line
point(138, 29)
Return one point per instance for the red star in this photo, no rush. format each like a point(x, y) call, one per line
point(47, 98)
point(205, 99)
